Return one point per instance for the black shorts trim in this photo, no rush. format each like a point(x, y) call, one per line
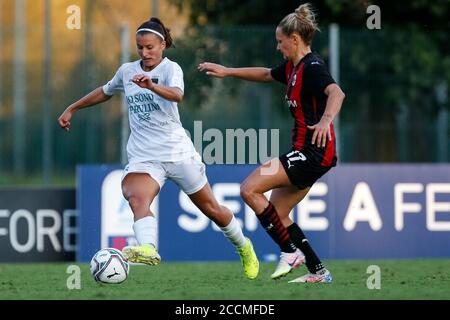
point(300, 170)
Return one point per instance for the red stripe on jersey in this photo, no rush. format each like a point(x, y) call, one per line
point(329, 152)
point(315, 107)
point(286, 238)
point(288, 70)
point(299, 131)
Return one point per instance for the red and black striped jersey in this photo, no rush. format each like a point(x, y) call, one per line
point(305, 86)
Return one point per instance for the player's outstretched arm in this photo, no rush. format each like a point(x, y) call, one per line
point(95, 97)
point(258, 74)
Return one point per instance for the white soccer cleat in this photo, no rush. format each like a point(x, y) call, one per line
point(288, 261)
point(323, 276)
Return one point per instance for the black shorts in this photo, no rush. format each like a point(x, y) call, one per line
point(300, 170)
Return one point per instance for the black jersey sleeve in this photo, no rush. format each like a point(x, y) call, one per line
point(279, 73)
point(316, 78)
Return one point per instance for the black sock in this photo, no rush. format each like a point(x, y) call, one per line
point(272, 224)
point(313, 262)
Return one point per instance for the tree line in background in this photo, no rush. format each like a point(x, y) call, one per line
point(396, 79)
point(431, 15)
point(415, 47)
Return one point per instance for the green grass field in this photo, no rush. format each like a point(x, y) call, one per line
point(400, 279)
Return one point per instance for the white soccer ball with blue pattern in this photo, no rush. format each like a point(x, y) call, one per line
point(109, 266)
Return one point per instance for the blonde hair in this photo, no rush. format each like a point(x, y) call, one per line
point(302, 21)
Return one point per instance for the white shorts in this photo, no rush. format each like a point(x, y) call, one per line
point(188, 174)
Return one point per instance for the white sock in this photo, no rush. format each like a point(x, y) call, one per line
point(145, 230)
point(233, 232)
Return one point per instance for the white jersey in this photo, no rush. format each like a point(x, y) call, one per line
point(156, 130)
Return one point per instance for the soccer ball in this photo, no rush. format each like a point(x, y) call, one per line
point(109, 266)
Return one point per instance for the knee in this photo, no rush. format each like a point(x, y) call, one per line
point(247, 192)
point(138, 202)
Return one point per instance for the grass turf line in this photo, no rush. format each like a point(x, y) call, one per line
point(400, 279)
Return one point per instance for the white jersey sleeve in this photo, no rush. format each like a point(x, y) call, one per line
point(175, 77)
point(115, 85)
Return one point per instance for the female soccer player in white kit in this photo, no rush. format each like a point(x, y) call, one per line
point(158, 147)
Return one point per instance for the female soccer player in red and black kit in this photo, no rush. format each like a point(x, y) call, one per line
point(314, 100)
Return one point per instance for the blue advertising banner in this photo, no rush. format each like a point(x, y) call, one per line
point(90, 179)
point(359, 211)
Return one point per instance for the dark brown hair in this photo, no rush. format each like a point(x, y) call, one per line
point(157, 25)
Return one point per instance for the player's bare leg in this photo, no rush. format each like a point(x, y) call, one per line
point(269, 176)
point(273, 176)
point(285, 199)
point(139, 189)
point(204, 200)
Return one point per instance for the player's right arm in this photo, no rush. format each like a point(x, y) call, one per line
point(258, 74)
point(99, 95)
point(95, 97)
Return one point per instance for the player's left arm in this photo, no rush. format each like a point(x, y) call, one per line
point(168, 93)
point(322, 129)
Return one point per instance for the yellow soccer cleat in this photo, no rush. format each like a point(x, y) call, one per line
point(249, 260)
point(142, 254)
